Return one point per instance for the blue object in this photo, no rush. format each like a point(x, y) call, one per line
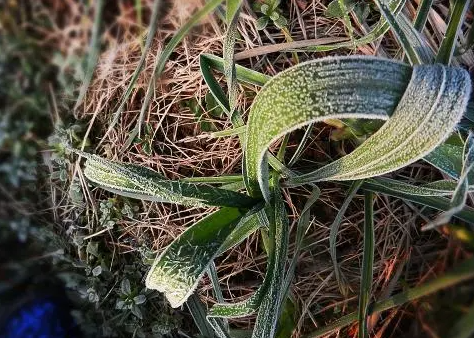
point(41, 318)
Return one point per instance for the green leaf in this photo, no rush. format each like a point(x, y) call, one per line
point(93, 54)
point(334, 9)
point(425, 108)
point(198, 312)
point(270, 308)
point(462, 272)
point(334, 230)
point(459, 198)
point(302, 227)
point(287, 321)
point(143, 183)
point(178, 269)
point(367, 264)
point(402, 34)
point(448, 45)
point(422, 14)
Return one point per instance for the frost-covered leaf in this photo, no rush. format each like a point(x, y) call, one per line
point(425, 102)
point(143, 183)
point(178, 269)
point(459, 198)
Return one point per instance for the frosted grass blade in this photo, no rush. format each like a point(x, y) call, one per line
point(270, 308)
point(400, 33)
point(426, 103)
point(143, 183)
point(367, 264)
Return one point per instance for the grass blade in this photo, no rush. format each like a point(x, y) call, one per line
point(143, 183)
point(232, 17)
point(178, 269)
point(367, 264)
point(436, 202)
point(448, 45)
point(198, 311)
point(334, 230)
point(94, 51)
point(301, 229)
point(400, 33)
point(462, 272)
point(270, 308)
point(422, 14)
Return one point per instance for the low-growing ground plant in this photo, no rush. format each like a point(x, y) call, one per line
point(424, 101)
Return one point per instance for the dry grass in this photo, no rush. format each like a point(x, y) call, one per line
point(181, 149)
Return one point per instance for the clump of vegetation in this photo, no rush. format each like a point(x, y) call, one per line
point(305, 210)
point(422, 102)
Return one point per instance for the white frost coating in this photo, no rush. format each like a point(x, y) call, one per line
point(332, 88)
point(177, 270)
point(424, 118)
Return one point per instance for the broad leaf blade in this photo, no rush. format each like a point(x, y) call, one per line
point(433, 103)
point(176, 272)
point(143, 183)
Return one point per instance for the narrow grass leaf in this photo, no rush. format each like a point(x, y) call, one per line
point(143, 183)
point(198, 312)
point(178, 269)
point(232, 17)
point(270, 308)
point(367, 264)
point(416, 40)
point(462, 272)
point(334, 230)
point(459, 198)
point(425, 108)
point(436, 202)
point(302, 227)
point(94, 51)
point(243, 74)
point(219, 324)
point(448, 45)
point(400, 33)
point(424, 8)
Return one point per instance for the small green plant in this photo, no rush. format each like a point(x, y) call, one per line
point(422, 104)
point(271, 13)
